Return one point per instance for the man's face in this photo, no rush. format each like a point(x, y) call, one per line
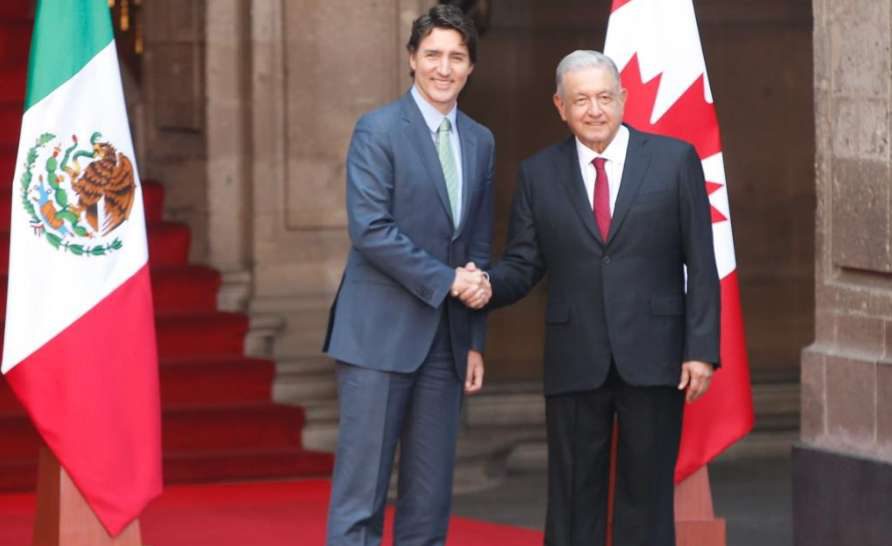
point(442, 65)
point(592, 103)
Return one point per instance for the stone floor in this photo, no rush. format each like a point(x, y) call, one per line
point(754, 495)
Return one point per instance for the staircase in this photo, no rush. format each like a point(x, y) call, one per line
point(218, 421)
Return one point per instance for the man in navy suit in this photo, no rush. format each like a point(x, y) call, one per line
point(614, 216)
point(419, 203)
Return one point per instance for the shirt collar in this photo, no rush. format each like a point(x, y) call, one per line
point(432, 117)
point(615, 151)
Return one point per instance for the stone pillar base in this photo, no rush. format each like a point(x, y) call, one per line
point(840, 499)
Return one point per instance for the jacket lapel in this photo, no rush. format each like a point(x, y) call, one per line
point(637, 162)
point(571, 180)
point(468, 168)
point(417, 132)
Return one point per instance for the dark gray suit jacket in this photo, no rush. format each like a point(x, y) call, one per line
point(623, 298)
point(405, 246)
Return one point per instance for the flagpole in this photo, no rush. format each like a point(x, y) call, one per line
point(695, 521)
point(63, 516)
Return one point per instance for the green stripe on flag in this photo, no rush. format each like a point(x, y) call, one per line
point(67, 34)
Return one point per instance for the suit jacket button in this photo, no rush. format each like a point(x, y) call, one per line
point(605, 260)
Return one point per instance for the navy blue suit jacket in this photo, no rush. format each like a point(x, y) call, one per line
point(405, 245)
point(623, 298)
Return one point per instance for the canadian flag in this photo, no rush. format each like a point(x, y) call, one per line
point(656, 46)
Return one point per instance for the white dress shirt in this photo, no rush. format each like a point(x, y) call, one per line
point(615, 154)
point(433, 118)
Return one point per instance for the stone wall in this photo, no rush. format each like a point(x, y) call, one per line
point(846, 450)
point(847, 372)
point(173, 135)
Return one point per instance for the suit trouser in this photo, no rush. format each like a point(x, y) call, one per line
point(579, 427)
point(419, 409)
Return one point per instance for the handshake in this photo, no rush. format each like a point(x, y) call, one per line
point(471, 286)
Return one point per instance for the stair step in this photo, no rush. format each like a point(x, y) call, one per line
point(189, 288)
point(261, 425)
point(15, 35)
point(16, 10)
point(289, 463)
point(201, 334)
point(211, 466)
point(244, 426)
point(9, 405)
point(13, 76)
point(193, 382)
point(7, 167)
point(19, 475)
point(220, 380)
point(187, 335)
point(153, 201)
point(168, 245)
point(20, 439)
point(5, 209)
point(10, 122)
point(152, 192)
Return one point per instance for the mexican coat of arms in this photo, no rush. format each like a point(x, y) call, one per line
point(76, 196)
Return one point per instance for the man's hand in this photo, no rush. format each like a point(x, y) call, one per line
point(695, 378)
point(471, 286)
point(474, 377)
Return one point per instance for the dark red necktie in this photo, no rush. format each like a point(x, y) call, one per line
point(602, 198)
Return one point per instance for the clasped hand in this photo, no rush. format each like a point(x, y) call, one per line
point(471, 286)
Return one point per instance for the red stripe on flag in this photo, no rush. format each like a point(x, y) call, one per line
point(725, 413)
point(618, 4)
point(92, 392)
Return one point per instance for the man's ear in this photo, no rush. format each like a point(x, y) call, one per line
point(559, 104)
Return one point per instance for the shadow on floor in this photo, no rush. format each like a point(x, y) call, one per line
point(753, 495)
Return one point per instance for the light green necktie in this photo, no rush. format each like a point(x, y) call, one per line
point(447, 161)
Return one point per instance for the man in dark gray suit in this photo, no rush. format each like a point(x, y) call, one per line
point(419, 200)
point(614, 216)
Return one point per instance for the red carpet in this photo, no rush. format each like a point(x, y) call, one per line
point(218, 421)
point(258, 514)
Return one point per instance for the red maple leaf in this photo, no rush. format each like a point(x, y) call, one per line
point(690, 118)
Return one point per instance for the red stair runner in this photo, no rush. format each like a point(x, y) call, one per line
point(218, 420)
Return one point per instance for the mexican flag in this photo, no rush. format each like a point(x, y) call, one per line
point(656, 46)
point(79, 348)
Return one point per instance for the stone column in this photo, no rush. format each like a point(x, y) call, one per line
point(229, 199)
point(316, 66)
point(174, 133)
point(843, 466)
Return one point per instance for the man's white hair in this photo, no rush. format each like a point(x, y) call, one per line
point(584, 58)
